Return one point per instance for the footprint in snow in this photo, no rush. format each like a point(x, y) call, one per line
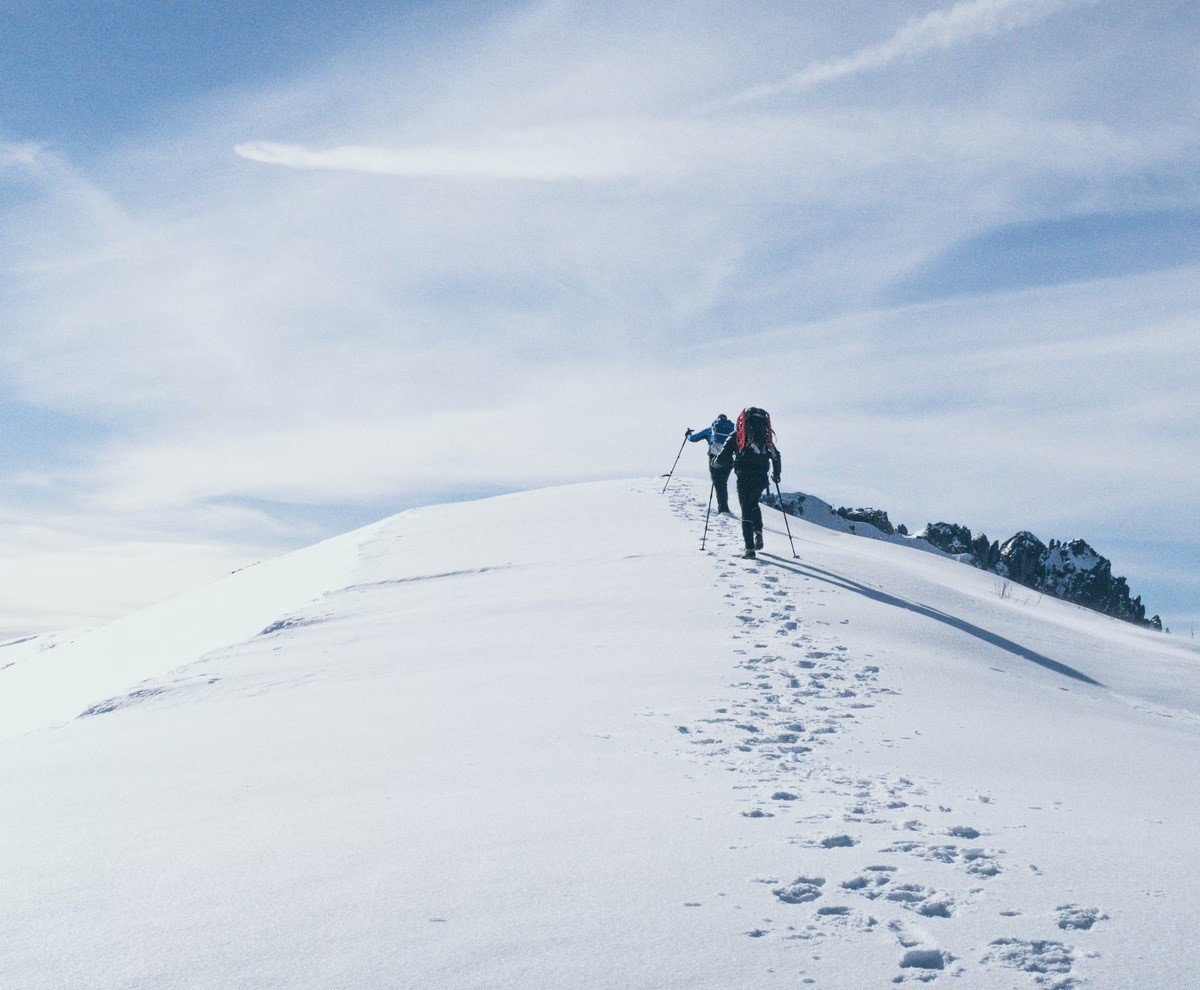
point(975, 861)
point(1043, 959)
point(927, 959)
point(869, 883)
point(980, 862)
point(924, 901)
point(1071, 917)
point(801, 890)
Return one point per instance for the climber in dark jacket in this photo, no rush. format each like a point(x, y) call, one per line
point(752, 453)
point(716, 435)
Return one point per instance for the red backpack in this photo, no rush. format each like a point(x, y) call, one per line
point(754, 426)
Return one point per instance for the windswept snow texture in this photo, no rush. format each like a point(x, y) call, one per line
point(544, 741)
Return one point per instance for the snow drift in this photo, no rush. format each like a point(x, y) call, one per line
point(542, 740)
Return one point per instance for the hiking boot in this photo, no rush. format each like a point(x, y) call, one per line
point(723, 510)
point(749, 554)
point(758, 543)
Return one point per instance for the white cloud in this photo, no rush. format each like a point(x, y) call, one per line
point(1008, 388)
point(58, 579)
point(596, 150)
point(20, 155)
point(560, 266)
point(940, 29)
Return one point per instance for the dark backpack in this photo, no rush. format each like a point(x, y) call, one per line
point(754, 427)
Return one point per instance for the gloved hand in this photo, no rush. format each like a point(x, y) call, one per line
point(687, 432)
point(775, 478)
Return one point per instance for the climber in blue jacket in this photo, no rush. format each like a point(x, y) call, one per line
point(721, 430)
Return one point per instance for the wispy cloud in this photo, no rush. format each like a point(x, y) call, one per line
point(949, 27)
point(58, 574)
point(593, 149)
point(595, 257)
point(22, 154)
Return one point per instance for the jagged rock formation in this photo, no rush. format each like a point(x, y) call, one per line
point(1071, 571)
point(1079, 574)
point(1023, 556)
point(950, 537)
point(874, 517)
point(791, 502)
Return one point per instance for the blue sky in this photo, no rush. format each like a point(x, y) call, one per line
point(83, 74)
point(272, 270)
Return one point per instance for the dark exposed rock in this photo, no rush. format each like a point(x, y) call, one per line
point(1072, 571)
point(792, 503)
point(1022, 558)
point(949, 537)
point(987, 555)
point(872, 517)
point(1075, 571)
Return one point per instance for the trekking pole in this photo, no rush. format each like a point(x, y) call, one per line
point(707, 512)
point(676, 464)
point(786, 525)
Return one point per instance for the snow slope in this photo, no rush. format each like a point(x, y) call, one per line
point(543, 741)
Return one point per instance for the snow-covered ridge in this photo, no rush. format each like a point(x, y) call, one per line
point(543, 740)
point(1072, 571)
point(50, 679)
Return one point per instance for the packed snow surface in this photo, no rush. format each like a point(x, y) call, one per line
point(544, 741)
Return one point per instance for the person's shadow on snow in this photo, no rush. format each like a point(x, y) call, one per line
point(849, 584)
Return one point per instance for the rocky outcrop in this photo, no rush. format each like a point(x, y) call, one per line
point(872, 517)
point(1072, 571)
point(1077, 573)
point(1023, 558)
point(948, 537)
point(792, 502)
point(957, 540)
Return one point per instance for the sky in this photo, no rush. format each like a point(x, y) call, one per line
point(272, 271)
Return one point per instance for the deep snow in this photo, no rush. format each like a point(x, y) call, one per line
point(542, 740)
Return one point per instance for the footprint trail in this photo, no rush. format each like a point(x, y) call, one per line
point(901, 862)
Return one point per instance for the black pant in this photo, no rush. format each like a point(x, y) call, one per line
point(749, 491)
point(720, 480)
